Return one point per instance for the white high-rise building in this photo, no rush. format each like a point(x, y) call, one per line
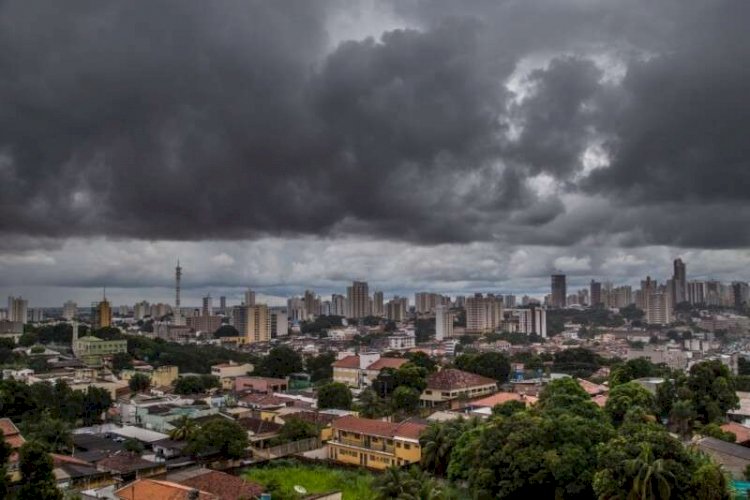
point(338, 305)
point(659, 306)
point(443, 322)
point(279, 323)
point(70, 310)
point(18, 309)
point(249, 298)
point(141, 310)
point(533, 320)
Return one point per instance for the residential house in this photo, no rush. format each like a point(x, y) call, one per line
point(450, 385)
point(265, 385)
point(15, 440)
point(153, 489)
point(360, 370)
point(126, 466)
point(733, 457)
point(374, 443)
point(224, 486)
point(228, 372)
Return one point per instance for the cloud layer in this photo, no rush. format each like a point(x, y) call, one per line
point(577, 128)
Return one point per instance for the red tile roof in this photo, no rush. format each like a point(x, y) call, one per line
point(224, 486)
point(503, 397)
point(451, 379)
point(347, 362)
point(740, 431)
point(12, 436)
point(162, 490)
point(371, 427)
point(383, 363)
point(591, 388)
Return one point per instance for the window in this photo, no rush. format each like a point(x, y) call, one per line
point(407, 446)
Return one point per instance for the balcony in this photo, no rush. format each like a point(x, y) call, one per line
point(366, 445)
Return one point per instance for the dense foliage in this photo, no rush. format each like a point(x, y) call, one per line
point(196, 384)
point(187, 358)
point(334, 395)
point(280, 362)
point(488, 364)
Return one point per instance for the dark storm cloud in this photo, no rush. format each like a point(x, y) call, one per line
point(229, 120)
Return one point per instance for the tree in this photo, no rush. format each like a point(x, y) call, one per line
point(423, 360)
point(94, 402)
point(296, 429)
point(578, 362)
point(681, 417)
point(280, 362)
point(652, 478)
point(712, 390)
point(714, 430)
point(226, 331)
point(410, 375)
point(320, 367)
point(122, 361)
point(37, 477)
point(626, 396)
point(437, 442)
point(370, 405)
point(196, 384)
point(54, 433)
point(133, 446)
point(631, 370)
point(405, 399)
point(139, 382)
point(508, 408)
point(413, 484)
point(334, 395)
point(5, 452)
point(488, 364)
point(184, 429)
point(225, 437)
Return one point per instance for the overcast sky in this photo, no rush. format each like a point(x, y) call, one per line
point(419, 145)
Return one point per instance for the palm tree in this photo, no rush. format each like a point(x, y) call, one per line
point(652, 480)
point(681, 416)
point(184, 429)
point(391, 484)
point(436, 447)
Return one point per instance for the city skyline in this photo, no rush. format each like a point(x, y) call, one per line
point(415, 145)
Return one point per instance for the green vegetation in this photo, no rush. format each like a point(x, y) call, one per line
point(567, 447)
point(321, 324)
point(222, 436)
point(187, 358)
point(139, 382)
point(320, 367)
point(334, 395)
point(281, 476)
point(196, 384)
point(488, 364)
point(280, 362)
point(37, 477)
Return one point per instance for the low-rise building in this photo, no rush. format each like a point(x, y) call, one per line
point(227, 372)
point(359, 370)
point(374, 443)
point(91, 350)
point(162, 376)
point(450, 384)
point(265, 385)
point(15, 440)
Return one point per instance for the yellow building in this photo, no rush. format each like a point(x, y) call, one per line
point(253, 324)
point(162, 376)
point(102, 315)
point(450, 385)
point(227, 372)
point(91, 349)
point(362, 369)
point(374, 443)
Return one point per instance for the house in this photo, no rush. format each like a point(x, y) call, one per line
point(259, 430)
point(733, 457)
point(15, 440)
point(361, 369)
point(224, 486)
point(126, 466)
point(374, 443)
point(227, 372)
point(450, 384)
point(265, 385)
point(162, 376)
point(741, 432)
point(151, 488)
point(72, 473)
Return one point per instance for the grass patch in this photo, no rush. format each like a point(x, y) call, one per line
point(281, 477)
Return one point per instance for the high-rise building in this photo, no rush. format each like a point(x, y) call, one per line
point(18, 309)
point(377, 304)
point(659, 306)
point(141, 310)
point(533, 320)
point(279, 323)
point(358, 300)
point(596, 293)
point(311, 304)
point(249, 298)
point(509, 301)
point(679, 282)
point(559, 291)
point(295, 307)
point(338, 305)
point(395, 309)
point(102, 314)
point(208, 306)
point(443, 322)
point(740, 294)
point(223, 304)
point(621, 296)
point(258, 324)
point(696, 292)
point(36, 314)
point(70, 310)
point(483, 314)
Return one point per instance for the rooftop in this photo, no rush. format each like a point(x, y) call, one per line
point(406, 429)
point(383, 363)
point(125, 462)
point(452, 379)
point(224, 486)
point(503, 397)
point(163, 490)
point(347, 362)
